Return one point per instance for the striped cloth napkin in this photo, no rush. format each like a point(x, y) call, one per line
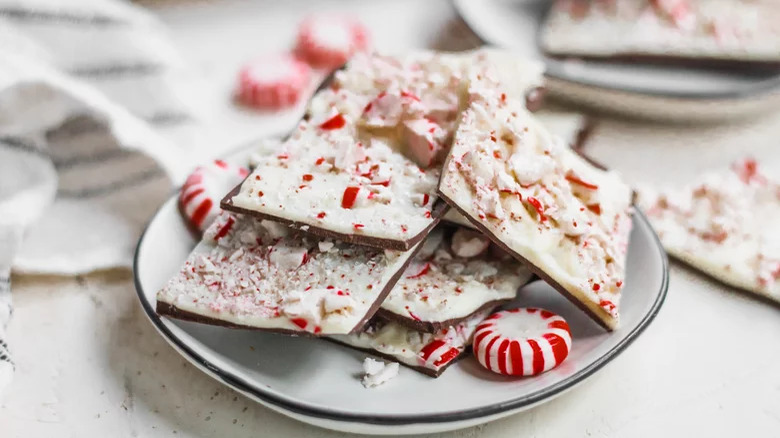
point(98, 118)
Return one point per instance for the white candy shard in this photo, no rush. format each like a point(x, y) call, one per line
point(378, 372)
point(325, 245)
point(287, 258)
point(467, 243)
point(425, 140)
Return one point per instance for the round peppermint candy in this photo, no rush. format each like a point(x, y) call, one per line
point(329, 41)
point(274, 82)
point(203, 190)
point(522, 342)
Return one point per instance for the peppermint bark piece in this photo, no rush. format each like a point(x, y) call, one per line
point(364, 164)
point(326, 181)
point(454, 275)
point(537, 199)
point(727, 33)
point(255, 274)
point(572, 128)
point(725, 225)
point(428, 353)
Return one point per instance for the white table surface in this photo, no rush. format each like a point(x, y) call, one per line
point(89, 364)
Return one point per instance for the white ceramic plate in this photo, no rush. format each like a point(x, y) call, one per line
point(515, 25)
point(318, 382)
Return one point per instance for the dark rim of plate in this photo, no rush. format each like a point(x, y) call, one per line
point(259, 393)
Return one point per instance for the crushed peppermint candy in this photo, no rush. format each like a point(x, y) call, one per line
point(537, 199)
point(440, 285)
point(571, 127)
point(257, 274)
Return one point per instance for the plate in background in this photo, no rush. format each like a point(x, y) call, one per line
point(655, 91)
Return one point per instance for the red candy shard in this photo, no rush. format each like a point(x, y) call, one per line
point(335, 122)
point(225, 228)
point(300, 322)
point(574, 179)
point(349, 197)
point(426, 352)
point(538, 207)
point(448, 356)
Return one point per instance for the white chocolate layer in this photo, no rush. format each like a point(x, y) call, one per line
point(738, 30)
point(254, 273)
point(537, 197)
point(416, 349)
point(367, 160)
point(724, 224)
point(439, 286)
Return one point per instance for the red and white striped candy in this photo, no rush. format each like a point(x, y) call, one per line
point(522, 342)
point(274, 82)
point(329, 41)
point(200, 196)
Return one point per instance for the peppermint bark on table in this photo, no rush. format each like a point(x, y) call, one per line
point(453, 276)
point(428, 353)
point(536, 198)
point(257, 274)
point(724, 224)
point(712, 32)
point(364, 165)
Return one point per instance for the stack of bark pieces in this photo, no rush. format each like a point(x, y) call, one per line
point(336, 234)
